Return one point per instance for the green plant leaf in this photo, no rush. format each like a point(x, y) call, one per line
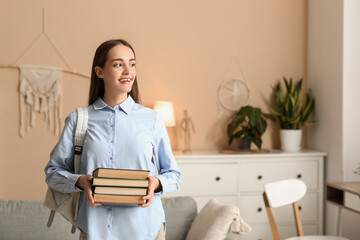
point(269, 116)
point(236, 135)
point(299, 85)
point(307, 111)
point(287, 84)
point(262, 126)
point(257, 141)
point(274, 112)
point(254, 115)
point(289, 109)
point(247, 123)
point(234, 124)
point(239, 134)
point(279, 98)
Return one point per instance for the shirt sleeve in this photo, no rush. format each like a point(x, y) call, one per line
point(59, 169)
point(169, 173)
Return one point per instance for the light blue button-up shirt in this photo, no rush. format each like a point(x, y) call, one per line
point(121, 137)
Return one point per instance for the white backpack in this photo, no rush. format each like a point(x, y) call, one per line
point(67, 204)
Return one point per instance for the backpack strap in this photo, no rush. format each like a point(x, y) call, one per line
point(51, 218)
point(80, 132)
point(156, 169)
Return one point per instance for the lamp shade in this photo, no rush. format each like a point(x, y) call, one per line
point(166, 111)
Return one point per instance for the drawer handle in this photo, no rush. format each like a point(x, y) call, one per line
point(259, 177)
point(299, 176)
point(300, 208)
point(259, 209)
point(217, 179)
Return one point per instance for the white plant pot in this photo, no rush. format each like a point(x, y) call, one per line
point(290, 139)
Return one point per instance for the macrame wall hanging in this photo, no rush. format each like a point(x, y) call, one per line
point(40, 91)
point(40, 88)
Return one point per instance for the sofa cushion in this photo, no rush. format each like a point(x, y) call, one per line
point(180, 212)
point(28, 219)
point(215, 221)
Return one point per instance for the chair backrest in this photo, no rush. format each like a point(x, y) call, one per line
point(282, 193)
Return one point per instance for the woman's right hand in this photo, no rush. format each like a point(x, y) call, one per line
point(84, 182)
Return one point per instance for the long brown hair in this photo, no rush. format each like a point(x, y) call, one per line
point(97, 88)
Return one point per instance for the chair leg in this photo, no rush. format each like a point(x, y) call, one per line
point(273, 227)
point(298, 223)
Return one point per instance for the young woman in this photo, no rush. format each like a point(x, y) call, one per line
point(121, 134)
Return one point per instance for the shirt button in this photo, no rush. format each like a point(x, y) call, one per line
point(112, 141)
point(111, 158)
point(108, 226)
point(112, 125)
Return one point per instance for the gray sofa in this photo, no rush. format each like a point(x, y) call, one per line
point(27, 220)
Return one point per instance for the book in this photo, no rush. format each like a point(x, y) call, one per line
point(121, 191)
point(120, 182)
point(108, 198)
point(120, 186)
point(121, 173)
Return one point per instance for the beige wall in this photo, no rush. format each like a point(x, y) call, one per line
point(183, 50)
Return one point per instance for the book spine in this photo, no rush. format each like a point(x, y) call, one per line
point(136, 179)
point(120, 191)
point(118, 198)
point(121, 173)
point(118, 186)
point(120, 182)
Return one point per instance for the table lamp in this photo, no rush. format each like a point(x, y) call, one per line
point(166, 111)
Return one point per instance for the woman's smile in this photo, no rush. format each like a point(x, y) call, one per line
point(125, 80)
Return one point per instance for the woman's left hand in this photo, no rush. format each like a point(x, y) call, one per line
point(154, 186)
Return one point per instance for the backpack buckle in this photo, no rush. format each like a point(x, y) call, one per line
point(78, 150)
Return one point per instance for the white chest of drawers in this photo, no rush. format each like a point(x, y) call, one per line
point(238, 179)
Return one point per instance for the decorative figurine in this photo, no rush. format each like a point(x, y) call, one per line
point(186, 125)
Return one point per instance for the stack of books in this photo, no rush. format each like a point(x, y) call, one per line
point(120, 186)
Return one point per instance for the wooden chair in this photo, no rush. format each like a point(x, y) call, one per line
point(286, 192)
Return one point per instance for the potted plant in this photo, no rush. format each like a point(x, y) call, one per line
point(246, 126)
point(292, 112)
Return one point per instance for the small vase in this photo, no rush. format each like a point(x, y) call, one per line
point(290, 140)
point(243, 144)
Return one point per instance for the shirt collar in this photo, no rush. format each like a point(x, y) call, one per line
point(126, 105)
